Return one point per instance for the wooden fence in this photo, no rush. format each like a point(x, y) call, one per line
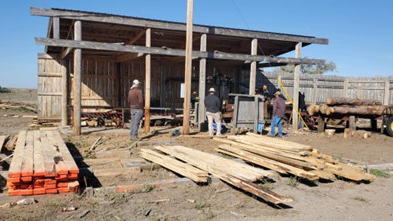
point(319, 87)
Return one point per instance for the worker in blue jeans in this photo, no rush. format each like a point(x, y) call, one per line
point(278, 113)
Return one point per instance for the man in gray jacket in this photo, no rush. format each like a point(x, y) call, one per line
point(213, 107)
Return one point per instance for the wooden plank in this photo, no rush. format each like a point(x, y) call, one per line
point(64, 152)
point(64, 91)
point(171, 52)
point(202, 82)
point(60, 164)
point(56, 27)
point(253, 67)
point(131, 21)
point(179, 167)
point(39, 166)
point(147, 82)
point(77, 79)
point(27, 169)
point(295, 106)
point(16, 163)
point(47, 155)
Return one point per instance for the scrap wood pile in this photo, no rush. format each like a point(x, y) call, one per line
point(197, 165)
point(347, 106)
point(289, 158)
point(16, 106)
point(42, 164)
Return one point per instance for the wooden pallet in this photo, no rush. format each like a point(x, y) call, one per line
point(42, 164)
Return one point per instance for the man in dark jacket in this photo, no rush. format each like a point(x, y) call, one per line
point(213, 107)
point(135, 99)
point(278, 112)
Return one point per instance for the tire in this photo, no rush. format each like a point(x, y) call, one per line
point(389, 126)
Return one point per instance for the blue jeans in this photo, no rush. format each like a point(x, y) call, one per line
point(277, 121)
point(136, 116)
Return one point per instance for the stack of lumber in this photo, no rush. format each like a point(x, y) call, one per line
point(196, 165)
point(288, 157)
point(347, 106)
point(42, 164)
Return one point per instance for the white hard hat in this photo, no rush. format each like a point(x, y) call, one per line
point(212, 89)
point(135, 82)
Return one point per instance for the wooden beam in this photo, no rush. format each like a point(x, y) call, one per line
point(132, 21)
point(131, 42)
point(64, 90)
point(123, 57)
point(56, 28)
point(171, 52)
point(77, 79)
point(202, 82)
point(147, 81)
point(253, 68)
point(188, 69)
point(295, 106)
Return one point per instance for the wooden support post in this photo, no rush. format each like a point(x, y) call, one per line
point(188, 70)
point(295, 108)
point(315, 91)
point(345, 92)
point(147, 81)
point(253, 67)
point(352, 123)
point(386, 98)
point(202, 82)
point(77, 79)
point(56, 27)
point(321, 124)
point(64, 91)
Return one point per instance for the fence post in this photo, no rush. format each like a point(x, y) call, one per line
point(345, 94)
point(387, 93)
point(315, 90)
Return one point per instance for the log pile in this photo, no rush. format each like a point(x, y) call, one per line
point(289, 158)
point(196, 165)
point(347, 106)
point(42, 164)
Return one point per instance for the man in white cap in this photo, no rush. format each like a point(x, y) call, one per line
point(135, 99)
point(278, 113)
point(213, 107)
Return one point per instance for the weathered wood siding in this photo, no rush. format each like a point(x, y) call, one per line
point(319, 87)
point(49, 88)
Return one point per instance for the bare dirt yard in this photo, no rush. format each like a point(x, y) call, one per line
point(338, 200)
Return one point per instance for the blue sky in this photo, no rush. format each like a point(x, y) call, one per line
point(360, 32)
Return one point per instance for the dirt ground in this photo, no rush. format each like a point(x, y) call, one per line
point(338, 200)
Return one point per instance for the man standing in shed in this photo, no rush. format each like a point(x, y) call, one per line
point(278, 113)
point(135, 99)
point(213, 106)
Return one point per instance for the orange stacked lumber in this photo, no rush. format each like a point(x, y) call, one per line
point(42, 164)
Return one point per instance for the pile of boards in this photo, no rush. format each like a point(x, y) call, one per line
point(291, 158)
point(42, 164)
point(347, 106)
point(197, 165)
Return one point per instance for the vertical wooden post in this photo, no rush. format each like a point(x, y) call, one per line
point(386, 96)
point(77, 79)
point(188, 70)
point(315, 91)
point(202, 82)
point(56, 27)
point(64, 91)
point(352, 123)
point(295, 108)
point(345, 92)
point(147, 81)
point(253, 67)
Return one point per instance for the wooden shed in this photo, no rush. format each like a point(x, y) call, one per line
point(91, 59)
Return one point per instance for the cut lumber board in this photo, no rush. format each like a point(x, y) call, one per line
point(273, 142)
point(17, 160)
point(56, 139)
point(116, 171)
point(28, 156)
point(10, 145)
point(39, 167)
point(179, 167)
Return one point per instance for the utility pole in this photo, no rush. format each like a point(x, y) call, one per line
point(188, 70)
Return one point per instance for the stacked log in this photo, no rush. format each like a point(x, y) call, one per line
point(287, 157)
point(42, 164)
point(347, 106)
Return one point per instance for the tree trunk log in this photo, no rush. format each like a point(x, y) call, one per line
point(349, 101)
point(365, 110)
